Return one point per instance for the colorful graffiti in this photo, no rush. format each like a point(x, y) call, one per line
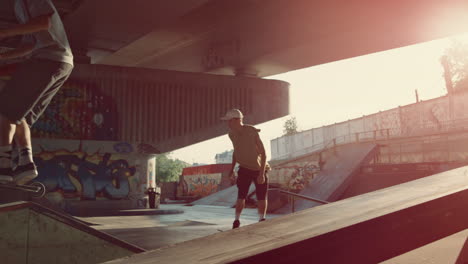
point(294, 176)
point(437, 115)
point(78, 112)
point(123, 147)
point(80, 175)
point(200, 181)
point(202, 185)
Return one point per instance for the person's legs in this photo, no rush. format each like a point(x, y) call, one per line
point(261, 191)
point(17, 99)
point(7, 131)
point(262, 208)
point(24, 99)
point(240, 204)
point(243, 183)
point(23, 135)
point(25, 170)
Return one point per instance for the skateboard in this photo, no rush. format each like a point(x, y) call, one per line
point(36, 189)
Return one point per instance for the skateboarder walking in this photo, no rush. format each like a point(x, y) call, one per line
point(249, 152)
point(33, 85)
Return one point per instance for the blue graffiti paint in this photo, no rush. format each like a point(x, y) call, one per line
point(108, 178)
point(79, 112)
point(54, 173)
point(123, 147)
point(100, 178)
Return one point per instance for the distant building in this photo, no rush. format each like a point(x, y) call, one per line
point(225, 157)
point(198, 164)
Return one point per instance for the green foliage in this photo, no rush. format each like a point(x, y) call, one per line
point(167, 169)
point(455, 62)
point(290, 126)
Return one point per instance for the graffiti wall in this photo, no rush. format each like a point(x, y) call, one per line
point(93, 170)
point(79, 111)
point(201, 181)
point(426, 117)
point(294, 175)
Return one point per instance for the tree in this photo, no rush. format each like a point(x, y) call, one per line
point(290, 126)
point(167, 169)
point(455, 63)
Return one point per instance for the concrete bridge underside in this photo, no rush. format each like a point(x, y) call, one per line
point(242, 38)
point(261, 38)
point(161, 110)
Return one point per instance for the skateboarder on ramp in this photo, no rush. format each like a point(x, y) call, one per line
point(37, 79)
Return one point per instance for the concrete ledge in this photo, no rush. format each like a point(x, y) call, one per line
point(134, 212)
point(31, 233)
point(99, 207)
point(369, 228)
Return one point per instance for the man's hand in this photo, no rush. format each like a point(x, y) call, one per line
point(261, 177)
point(232, 177)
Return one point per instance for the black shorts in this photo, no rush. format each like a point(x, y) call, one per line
point(245, 178)
point(31, 89)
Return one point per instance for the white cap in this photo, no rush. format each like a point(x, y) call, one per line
point(233, 113)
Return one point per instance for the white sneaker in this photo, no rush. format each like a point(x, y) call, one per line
point(25, 173)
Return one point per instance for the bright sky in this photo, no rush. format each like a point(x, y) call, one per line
point(347, 89)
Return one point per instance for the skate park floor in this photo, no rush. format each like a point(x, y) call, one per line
point(156, 231)
point(159, 230)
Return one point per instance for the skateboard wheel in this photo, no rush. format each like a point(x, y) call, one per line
point(41, 190)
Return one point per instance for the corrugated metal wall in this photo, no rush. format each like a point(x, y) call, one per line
point(165, 109)
point(153, 112)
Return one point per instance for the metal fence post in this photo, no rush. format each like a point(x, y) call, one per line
point(293, 207)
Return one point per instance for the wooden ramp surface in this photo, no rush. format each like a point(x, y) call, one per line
point(369, 228)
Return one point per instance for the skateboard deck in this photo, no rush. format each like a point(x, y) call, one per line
point(36, 189)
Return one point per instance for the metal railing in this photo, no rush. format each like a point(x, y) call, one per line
point(295, 195)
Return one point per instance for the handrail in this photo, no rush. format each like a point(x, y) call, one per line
point(308, 198)
point(294, 195)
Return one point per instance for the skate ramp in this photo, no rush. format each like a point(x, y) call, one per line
point(335, 176)
point(365, 229)
point(226, 197)
point(31, 233)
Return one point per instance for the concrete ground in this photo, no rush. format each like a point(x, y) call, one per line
point(158, 230)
